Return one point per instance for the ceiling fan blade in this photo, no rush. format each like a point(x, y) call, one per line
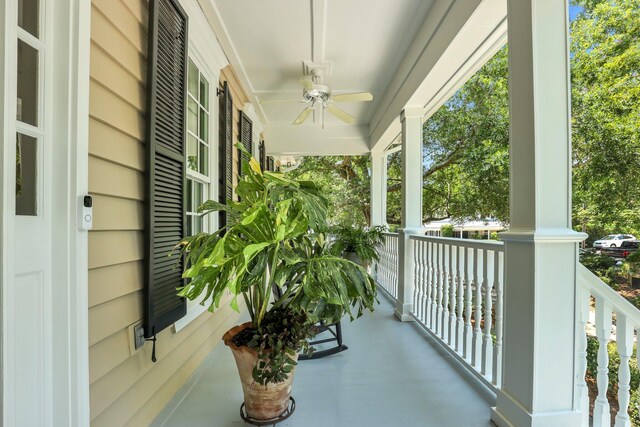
point(307, 84)
point(353, 97)
point(341, 114)
point(303, 116)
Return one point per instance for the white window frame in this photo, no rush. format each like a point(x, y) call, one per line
point(195, 308)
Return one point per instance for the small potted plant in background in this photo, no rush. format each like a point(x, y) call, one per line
point(358, 244)
point(269, 243)
point(631, 266)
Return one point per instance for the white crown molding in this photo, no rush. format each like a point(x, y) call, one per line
point(206, 43)
point(212, 15)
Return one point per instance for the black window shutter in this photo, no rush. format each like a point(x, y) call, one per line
point(262, 153)
point(165, 176)
point(225, 149)
point(245, 129)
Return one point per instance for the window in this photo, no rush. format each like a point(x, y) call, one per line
point(198, 137)
point(200, 175)
point(197, 123)
point(196, 193)
point(30, 130)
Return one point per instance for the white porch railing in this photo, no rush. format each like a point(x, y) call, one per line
point(387, 265)
point(607, 315)
point(458, 297)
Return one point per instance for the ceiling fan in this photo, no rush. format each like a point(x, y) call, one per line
point(318, 96)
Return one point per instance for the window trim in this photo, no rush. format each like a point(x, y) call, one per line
point(194, 308)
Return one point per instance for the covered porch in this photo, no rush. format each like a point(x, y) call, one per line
point(467, 333)
point(497, 328)
point(392, 374)
point(511, 314)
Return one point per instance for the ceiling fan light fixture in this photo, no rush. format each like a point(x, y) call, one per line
point(319, 94)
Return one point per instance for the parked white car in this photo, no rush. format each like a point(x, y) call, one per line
point(613, 241)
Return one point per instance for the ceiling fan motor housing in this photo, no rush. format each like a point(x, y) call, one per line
point(318, 93)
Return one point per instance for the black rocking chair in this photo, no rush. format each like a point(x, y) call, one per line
point(333, 329)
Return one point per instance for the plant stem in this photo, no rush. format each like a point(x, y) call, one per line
point(267, 285)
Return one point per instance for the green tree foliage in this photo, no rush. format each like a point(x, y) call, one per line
point(345, 182)
point(605, 46)
point(446, 230)
point(466, 149)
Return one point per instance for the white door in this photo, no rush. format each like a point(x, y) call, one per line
point(39, 233)
point(29, 313)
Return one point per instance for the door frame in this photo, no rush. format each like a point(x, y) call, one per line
point(67, 398)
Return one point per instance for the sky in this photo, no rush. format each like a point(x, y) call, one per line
point(573, 11)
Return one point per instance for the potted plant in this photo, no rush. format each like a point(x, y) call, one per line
point(269, 242)
point(357, 244)
point(632, 268)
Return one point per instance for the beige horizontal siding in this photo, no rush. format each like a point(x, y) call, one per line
point(107, 107)
point(107, 36)
point(106, 142)
point(116, 213)
point(112, 387)
point(190, 350)
point(107, 354)
point(114, 247)
point(113, 316)
point(125, 22)
point(112, 179)
point(160, 399)
point(108, 73)
point(126, 387)
point(113, 281)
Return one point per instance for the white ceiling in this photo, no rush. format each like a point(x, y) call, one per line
point(363, 41)
point(408, 53)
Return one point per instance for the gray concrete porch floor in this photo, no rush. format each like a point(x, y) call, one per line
point(393, 374)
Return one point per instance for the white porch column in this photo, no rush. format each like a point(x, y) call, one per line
point(411, 118)
point(540, 248)
point(378, 188)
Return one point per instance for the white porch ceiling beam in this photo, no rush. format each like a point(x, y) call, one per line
point(318, 28)
point(314, 141)
point(456, 39)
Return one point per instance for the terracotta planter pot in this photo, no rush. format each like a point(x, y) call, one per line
point(353, 257)
point(261, 402)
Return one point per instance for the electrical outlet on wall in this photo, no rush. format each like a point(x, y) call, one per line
point(135, 334)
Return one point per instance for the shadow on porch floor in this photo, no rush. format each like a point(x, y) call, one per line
point(392, 375)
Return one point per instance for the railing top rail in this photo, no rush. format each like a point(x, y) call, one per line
point(491, 245)
point(597, 287)
point(390, 234)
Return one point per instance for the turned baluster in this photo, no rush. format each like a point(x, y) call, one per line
point(477, 316)
point(444, 321)
point(601, 411)
point(439, 290)
point(487, 340)
point(460, 317)
point(624, 339)
point(497, 350)
point(416, 277)
point(468, 328)
point(452, 300)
